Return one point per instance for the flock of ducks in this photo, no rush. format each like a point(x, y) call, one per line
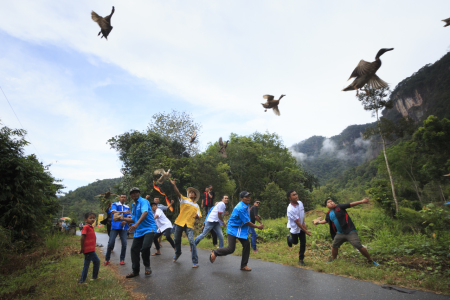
point(364, 74)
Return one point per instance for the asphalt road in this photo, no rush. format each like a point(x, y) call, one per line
point(224, 280)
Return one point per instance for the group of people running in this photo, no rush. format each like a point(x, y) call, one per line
point(149, 223)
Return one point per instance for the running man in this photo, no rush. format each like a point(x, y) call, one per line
point(189, 212)
point(296, 223)
point(342, 228)
point(164, 227)
point(214, 221)
point(237, 229)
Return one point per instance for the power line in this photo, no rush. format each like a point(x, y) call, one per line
point(18, 119)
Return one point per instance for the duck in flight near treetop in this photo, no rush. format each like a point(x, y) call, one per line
point(365, 74)
point(104, 23)
point(271, 103)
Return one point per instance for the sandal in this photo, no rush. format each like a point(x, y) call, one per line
point(246, 269)
point(131, 275)
point(210, 257)
point(148, 271)
point(154, 254)
point(195, 266)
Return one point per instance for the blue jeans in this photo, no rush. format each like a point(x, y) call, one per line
point(208, 227)
point(112, 241)
point(190, 234)
point(88, 257)
point(254, 235)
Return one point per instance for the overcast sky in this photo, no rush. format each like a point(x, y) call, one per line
point(72, 91)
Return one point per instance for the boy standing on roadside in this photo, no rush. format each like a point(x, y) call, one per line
point(88, 241)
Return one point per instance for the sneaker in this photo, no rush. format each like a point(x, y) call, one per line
point(122, 263)
point(301, 263)
point(288, 242)
point(374, 263)
point(107, 262)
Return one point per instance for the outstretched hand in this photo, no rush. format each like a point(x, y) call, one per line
point(172, 181)
point(365, 200)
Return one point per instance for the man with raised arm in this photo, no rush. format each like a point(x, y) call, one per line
point(189, 212)
point(237, 229)
point(296, 223)
point(342, 228)
point(214, 221)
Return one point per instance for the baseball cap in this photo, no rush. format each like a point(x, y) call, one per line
point(244, 194)
point(135, 189)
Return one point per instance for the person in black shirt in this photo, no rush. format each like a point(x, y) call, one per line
point(208, 199)
point(254, 216)
point(342, 228)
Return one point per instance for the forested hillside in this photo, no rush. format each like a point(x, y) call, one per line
point(82, 200)
point(425, 93)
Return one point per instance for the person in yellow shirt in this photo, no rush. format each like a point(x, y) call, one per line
point(189, 212)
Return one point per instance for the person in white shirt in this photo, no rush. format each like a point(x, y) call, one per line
point(164, 227)
point(296, 224)
point(214, 221)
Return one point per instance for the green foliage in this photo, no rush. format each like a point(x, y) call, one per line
point(381, 193)
point(82, 200)
point(27, 190)
point(435, 218)
point(433, 139)
point(176, 126)
point(275, 202)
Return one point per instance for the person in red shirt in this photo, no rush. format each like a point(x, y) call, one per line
point(88, 241)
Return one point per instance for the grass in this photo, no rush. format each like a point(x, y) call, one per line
point(408, 258)
point(53, 272)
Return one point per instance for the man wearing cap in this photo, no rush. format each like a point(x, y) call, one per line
point(118, 228)
point(342, 228)
point(189, 212)
point(208, 199)
point(237, 228)
point(144, 228)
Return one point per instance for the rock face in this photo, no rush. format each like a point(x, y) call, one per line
point(424, 93)
point(403, 105)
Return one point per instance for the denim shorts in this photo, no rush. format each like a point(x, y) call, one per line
point(351, 237)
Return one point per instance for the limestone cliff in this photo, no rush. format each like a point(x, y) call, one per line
point(426, 92)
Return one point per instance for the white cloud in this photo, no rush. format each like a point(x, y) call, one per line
point(219, 58)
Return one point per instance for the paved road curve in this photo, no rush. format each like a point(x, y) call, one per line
point(224, 280)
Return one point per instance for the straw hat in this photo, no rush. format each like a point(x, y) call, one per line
point(197, 193)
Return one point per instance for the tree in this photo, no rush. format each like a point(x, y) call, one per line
point(28, 199)
point(176, 126)
point(433, 140)
point(374, 100)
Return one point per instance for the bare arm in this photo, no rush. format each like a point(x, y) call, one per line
point(177, 192)
point(83, 237)
point(365, 200)
point(302, 227)
point(250, 224)
point(321, 222)
point(135, 225)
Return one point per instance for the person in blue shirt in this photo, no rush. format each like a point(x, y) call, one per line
point(342, 228)
point(118, 228)
point(144, 229)
point(237, 229)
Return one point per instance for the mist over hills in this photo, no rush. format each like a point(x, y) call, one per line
point(424, 93)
